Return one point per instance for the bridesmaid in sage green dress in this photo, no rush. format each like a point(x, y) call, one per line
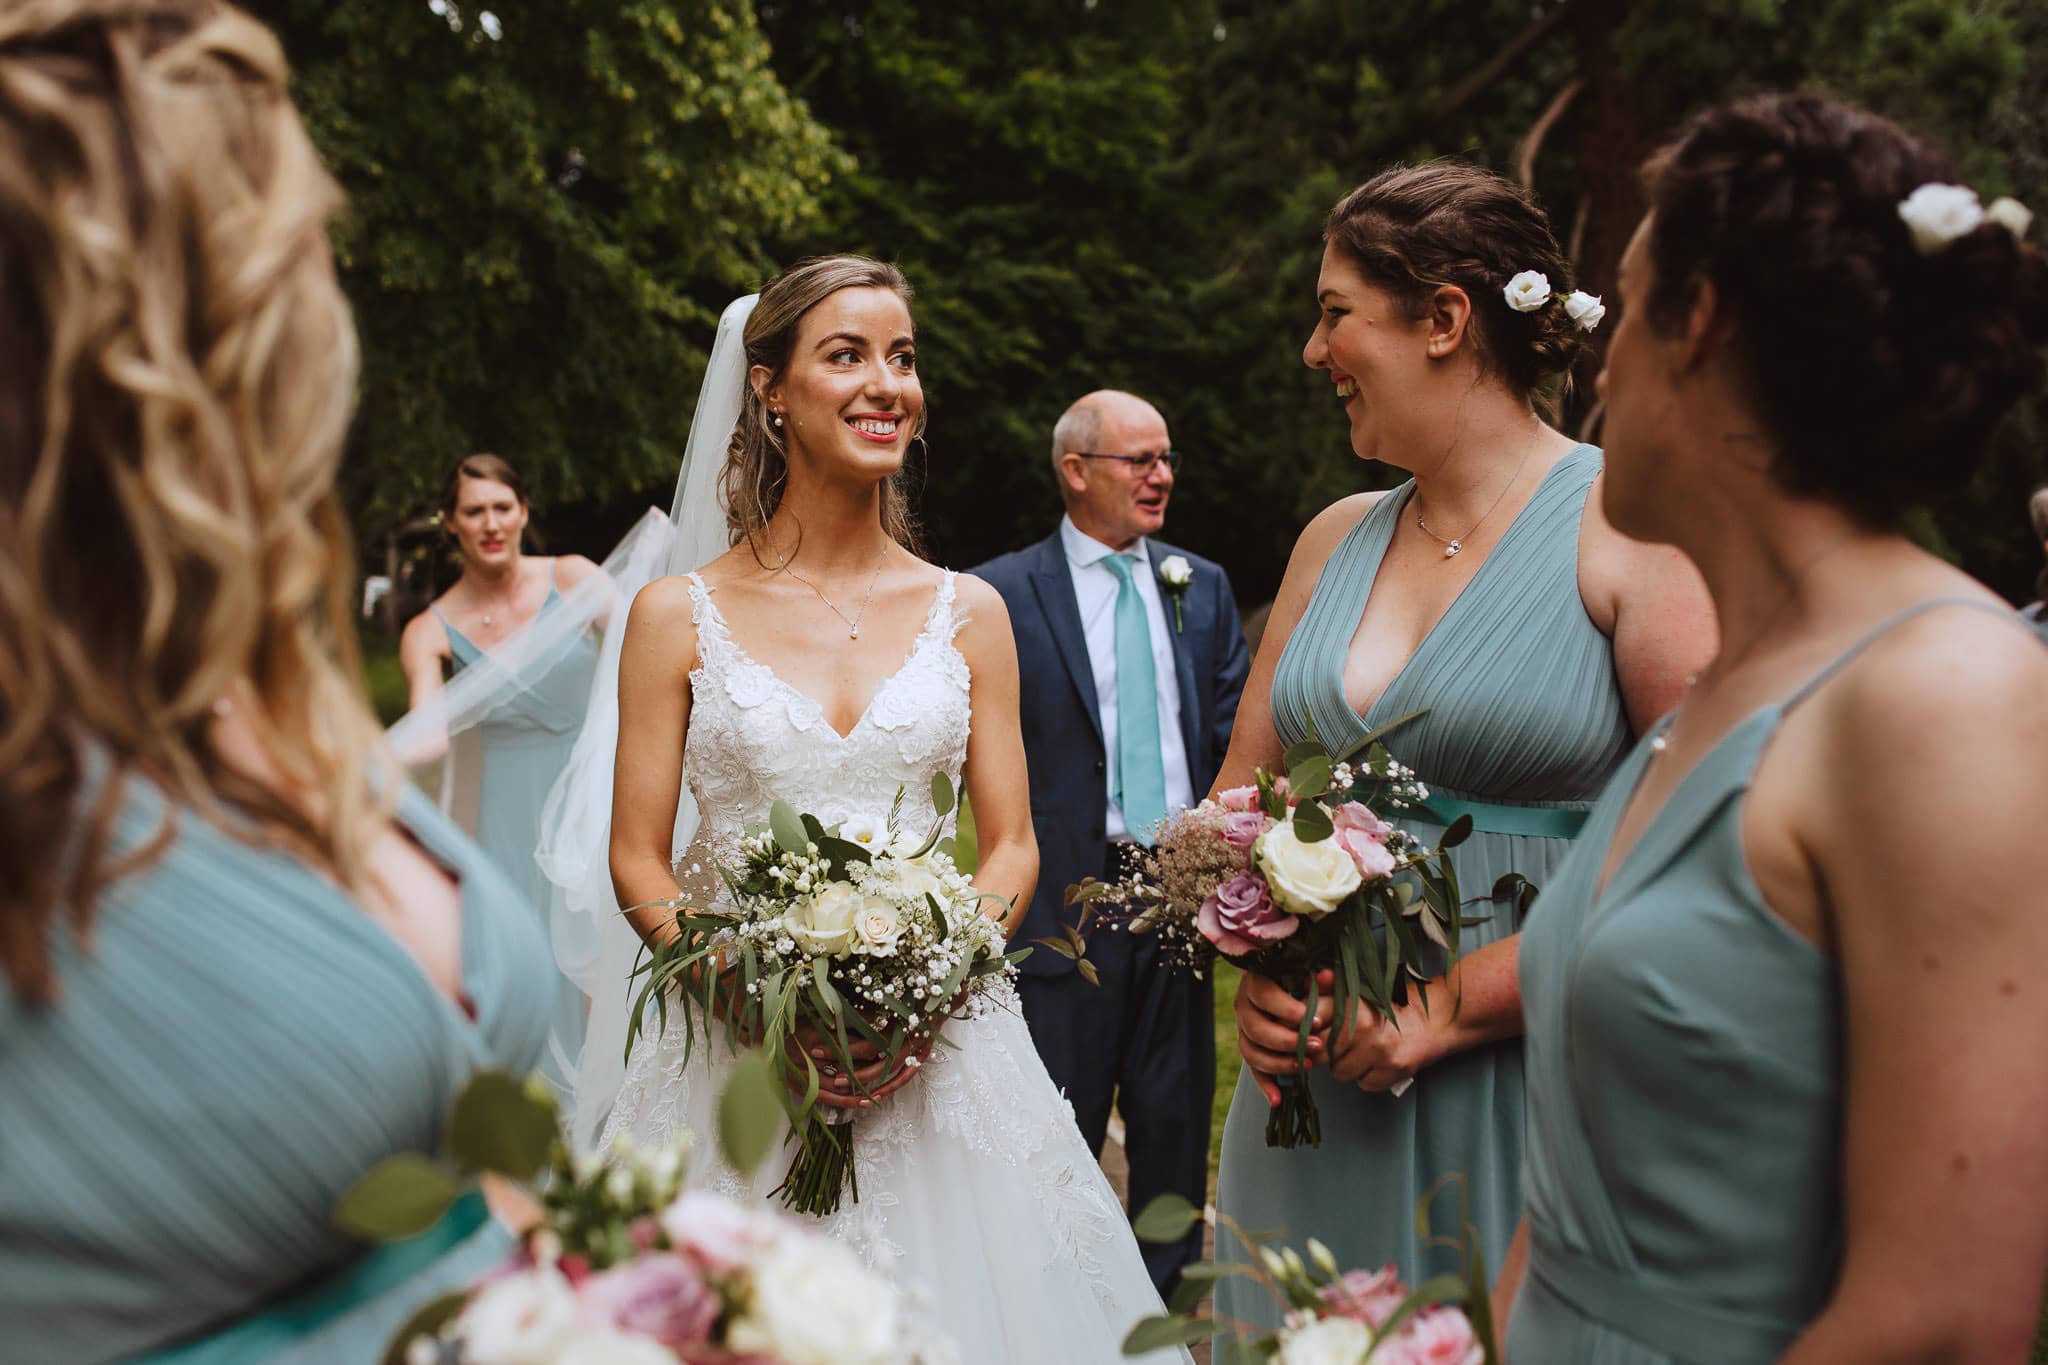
point(1784, 1000)
point(233, 980)
point(1488, 593)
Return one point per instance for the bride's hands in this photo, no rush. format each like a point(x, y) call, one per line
point(871, 1079)
point(1268, 1023)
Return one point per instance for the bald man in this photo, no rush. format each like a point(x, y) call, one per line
point(1132, 659)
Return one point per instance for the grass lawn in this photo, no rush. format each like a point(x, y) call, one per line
point(380, 667)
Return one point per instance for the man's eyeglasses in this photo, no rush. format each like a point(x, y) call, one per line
point(1141, 465)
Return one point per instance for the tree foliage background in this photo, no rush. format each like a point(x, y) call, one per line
point(1085, 193)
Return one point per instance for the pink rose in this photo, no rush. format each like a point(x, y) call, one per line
point(1364, 836)
point(1241, 916)
point(1367, 1296)
point(1436, 1336)
point(1239, 798)
point(1242, 828)
point(661, 1296)
point(717, 1233)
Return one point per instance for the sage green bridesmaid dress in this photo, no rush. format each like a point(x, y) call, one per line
point(525, 744)
point(1525, 724)
point(1685, 1085)
point(236, 1046)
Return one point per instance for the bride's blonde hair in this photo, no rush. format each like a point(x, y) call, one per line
point(180, 372)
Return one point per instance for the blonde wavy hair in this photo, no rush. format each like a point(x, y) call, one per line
point(757, 462)
point(179, 379)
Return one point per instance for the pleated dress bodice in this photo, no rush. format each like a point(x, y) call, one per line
point(236, 1045)
point(1524, 724)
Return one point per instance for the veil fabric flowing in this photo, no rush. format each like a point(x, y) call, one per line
point(593, 943)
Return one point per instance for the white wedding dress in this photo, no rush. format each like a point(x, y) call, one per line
point(977, 1192)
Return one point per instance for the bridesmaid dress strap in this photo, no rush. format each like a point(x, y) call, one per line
point(1660, 1314)
point(1885, 627)
point(376, 1273)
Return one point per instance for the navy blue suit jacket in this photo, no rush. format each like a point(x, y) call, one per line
point(1062, 730)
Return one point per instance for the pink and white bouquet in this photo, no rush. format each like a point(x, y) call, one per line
point(864, 935)
point(1331, 1316)
point(623, 1265)
point(1292, 876)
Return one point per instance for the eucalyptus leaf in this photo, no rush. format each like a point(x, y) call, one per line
point(788, 827)
point(749, 1111)
point(500, 1124)
point(399, 1197)
point(1154, 1334)
point(1310, 778)
point(1373, 740)
point(1457, 832)
point(1301, 752)
point(966, 849)
point(1312, 823)
point(1167, 1218)
point(942, 794)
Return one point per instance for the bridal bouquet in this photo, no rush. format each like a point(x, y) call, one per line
point(623, 1266)
point(834, 936)
point(1331, 1316)
point(1292, 876)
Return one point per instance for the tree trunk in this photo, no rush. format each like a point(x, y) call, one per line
point(1614, 137)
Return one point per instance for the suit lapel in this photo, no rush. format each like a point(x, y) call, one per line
point(1183, 656)
point(1054, 585)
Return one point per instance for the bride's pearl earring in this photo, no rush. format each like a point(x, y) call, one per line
point(776, 418)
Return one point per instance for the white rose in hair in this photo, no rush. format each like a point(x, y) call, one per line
point(878, 925)
point(1938, 214)
point(815, 1304)
point(1528, 291)
point(520, 1320)
point(823, 922)
point(1176, 572)
point(1326, 1341)
point(1584, 309)
point(1306, 879)
point(2012, 215)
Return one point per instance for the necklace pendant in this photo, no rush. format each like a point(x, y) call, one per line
point(1453, 548)
point(854, 633)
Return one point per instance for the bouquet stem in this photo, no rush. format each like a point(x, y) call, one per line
point(822, 1168)
point(1295, 1121)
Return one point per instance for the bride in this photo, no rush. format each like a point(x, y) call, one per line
point(819, 660)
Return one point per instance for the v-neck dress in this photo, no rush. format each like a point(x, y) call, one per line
point(1524, 726)
point(239, 1042)
point(1685, 1062)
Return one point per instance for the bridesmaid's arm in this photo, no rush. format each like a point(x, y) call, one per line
point(1478, 1002)
point(997, 779)
point(1651, 603)
point(422, 645)
point(1919, 815)
point(655, 659)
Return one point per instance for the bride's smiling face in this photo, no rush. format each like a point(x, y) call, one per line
point(849, 398)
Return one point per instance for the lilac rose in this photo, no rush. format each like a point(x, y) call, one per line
point(1367, 1296)
point(1241, 917)
point(1242, 828)
point(661, 1296)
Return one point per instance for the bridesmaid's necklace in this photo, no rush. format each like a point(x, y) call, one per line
point(1457, 543)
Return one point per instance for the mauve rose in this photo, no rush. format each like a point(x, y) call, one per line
point(1241, 916)
point(660, 1296)
point(1363, 835)
point(1238, 798)
point(1242, 828)
point(1438, 1336)
point(1368, 1296)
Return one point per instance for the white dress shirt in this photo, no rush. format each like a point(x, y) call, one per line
point(1095, 589)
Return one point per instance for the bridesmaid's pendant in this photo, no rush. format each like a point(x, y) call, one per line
point(1453, 548)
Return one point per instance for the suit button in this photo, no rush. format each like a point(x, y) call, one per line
point(1098, 765)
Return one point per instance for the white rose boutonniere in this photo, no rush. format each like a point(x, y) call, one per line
point(1584, 309)
point(1306, 879)
point(1938, 214)
point(1176, 575)
point(1528, 291)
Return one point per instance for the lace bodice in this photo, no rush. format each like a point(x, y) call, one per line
point(753, 738)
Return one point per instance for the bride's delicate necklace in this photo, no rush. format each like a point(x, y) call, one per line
point(853, 621)
point(1457, 543)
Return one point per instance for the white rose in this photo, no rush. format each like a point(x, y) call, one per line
point(603, 1347)
point(823, 923)
point(520, 1320)
point(1584, 309)
point(1306, 879)
point(1528, 291)
point(1326, 1341)
point(2012, 215)
point(1938, 214)
point(815, 1304)
point(1176, 572)
point(878, 925)
point(919, 881)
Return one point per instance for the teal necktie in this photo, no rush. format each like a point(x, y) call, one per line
point(1140, 769)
